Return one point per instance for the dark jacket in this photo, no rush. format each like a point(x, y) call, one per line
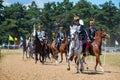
point(82, 34)
point(91, 33)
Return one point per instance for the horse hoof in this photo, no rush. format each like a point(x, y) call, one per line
point(68, 69)
point(77, 72)
point(87, 68)
point(81, 70)
point(60, 62)
point(42, 62)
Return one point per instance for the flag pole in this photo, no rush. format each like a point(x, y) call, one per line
point(105, 51)
point(8, 45)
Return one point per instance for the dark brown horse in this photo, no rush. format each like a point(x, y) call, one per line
point(64, 48)
point(95, 47)
point(39, 49)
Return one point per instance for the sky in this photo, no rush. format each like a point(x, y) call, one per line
point(40, 3)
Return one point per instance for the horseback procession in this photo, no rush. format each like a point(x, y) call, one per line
point(76, 46)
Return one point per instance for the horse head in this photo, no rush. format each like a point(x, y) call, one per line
point(101, 33)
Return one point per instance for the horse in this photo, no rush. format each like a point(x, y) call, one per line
point(39, 50)
point(30, 48)
point(24, 44)
point(95, 47)
point(54, 51)
point(47, 50)
point(64, 48)
point(75, 49)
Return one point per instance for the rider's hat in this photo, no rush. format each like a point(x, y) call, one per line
point(27, 37)
point(92, 22)
point(40, 26)
point(61, 28)
point(76, 18)
point(53, 33)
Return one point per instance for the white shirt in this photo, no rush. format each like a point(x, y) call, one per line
point(41, 35)
point(75, 28)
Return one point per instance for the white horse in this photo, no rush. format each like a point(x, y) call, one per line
point(75, 49)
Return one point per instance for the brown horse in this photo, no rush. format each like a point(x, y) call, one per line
point(64, 49)
point(39, 49)
point(54, 51)
point(95, 47)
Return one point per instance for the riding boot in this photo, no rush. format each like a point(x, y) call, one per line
point(70, 57)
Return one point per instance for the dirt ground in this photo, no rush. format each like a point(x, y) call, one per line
point(13, 67)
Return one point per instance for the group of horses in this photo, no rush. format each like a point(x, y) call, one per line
point(43, 50)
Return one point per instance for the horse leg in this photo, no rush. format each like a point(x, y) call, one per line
point(26, 54)
point(43, 58)
point(66, 57)
point(31, 55)
point(23, 54)
point(99, 61)
point(97, 57)
point(36, 57)
point(77, 64)
point(56, 59)
point(81, 65)
point(68, 63)
point(83, 59)
point(61, 57)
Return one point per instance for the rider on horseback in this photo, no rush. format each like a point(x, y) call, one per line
point(91, 35)
point(78, 26)
point(53, 36)
point(60, 37)
point(91, 31)
point(41, 34)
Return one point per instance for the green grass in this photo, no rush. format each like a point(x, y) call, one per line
point(112, 59)
point(11, 51)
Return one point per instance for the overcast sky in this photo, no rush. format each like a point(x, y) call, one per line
point(40, 3)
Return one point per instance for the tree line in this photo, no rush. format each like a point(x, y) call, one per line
point(18, 20)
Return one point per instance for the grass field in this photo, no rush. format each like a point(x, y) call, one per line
point(112, 59)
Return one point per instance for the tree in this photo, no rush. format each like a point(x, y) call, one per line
point(110, 19)
point(31, 17)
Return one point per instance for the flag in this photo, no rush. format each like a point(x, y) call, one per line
point(21, 38)
point(15, 38)
point(11, 38)
point(116, 42)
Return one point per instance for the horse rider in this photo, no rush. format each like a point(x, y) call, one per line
point(53, 36)
point(91, 31)
point(41, 34)
point(78, 26)
point(25, 43)
point(59, 37)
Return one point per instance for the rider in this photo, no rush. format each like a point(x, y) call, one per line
point(41, 34)
point(60, 37)
point(91, 31)
point(53, 36)
point(91, 35)
point(78, 26)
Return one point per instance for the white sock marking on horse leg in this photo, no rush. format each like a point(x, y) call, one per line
point(56, 62)
point(101, 68)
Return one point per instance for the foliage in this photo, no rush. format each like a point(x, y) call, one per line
point(18, 20)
